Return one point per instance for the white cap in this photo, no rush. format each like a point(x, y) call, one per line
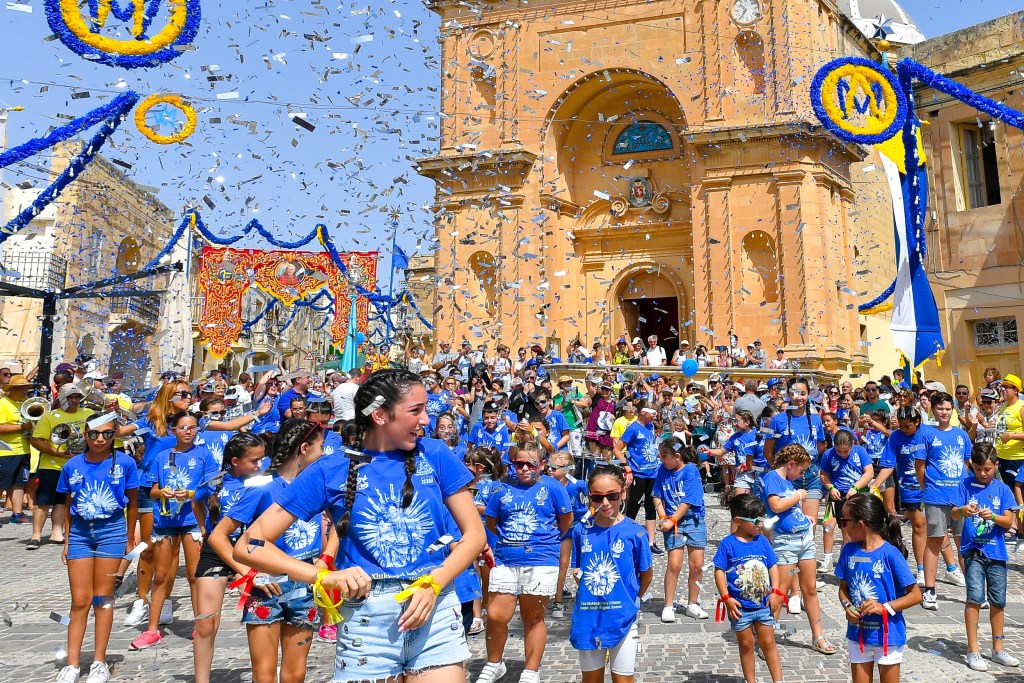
point(637, 340)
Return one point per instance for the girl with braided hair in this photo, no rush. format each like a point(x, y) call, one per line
point(389, 503)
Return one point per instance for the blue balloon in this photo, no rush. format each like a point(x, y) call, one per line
point(360, 338)
point(689, 367)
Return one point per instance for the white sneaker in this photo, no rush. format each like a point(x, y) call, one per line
point(956, 577)
point(529, 676)
point(69, 674)
point(975, 661)
point(1004, 659)
point(826, 564)
point(794, 605)
point(138, 614)
point(695, 611)
point(819, 584)
point(98, 673)
point(668, 615)
point(491, 672)
point(930, 601)
point(166, 613)
point(920, 578)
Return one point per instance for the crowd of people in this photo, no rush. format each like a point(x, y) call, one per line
point(422, 505)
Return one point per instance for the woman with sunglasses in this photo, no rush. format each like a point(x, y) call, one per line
point(172, 398)
point(529, 515)
point(103, 487)
point(613, 567)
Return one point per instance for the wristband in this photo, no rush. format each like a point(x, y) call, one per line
point(889, 608)
point(846, 604)
point(776, 591)
point(419, 583)
point(327, 560)
point(831, 488)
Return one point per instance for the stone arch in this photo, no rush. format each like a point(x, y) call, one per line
point(760, 268)
point(129, 256)
point(639, 301)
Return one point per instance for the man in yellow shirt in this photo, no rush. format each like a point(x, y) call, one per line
point(627, 418)
point(14, 458)
point(51, 459)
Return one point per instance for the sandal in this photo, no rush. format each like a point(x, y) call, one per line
point(826, 649)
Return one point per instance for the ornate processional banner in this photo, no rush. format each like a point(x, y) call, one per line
point(290, 277)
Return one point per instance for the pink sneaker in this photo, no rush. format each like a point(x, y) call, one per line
point(147, 639)
point(327, 634)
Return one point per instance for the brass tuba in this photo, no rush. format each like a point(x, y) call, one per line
point(70, 437)
point(34, 408)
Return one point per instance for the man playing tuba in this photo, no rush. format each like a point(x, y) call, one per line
point(67, 424)
point(14, 433)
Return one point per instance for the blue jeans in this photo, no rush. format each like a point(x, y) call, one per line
point(981, 573)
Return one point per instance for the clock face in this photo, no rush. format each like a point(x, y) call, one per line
point(746, 11)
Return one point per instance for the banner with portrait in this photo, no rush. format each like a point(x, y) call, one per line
point(289, 277)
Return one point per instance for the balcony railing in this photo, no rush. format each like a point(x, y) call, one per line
point(37, 270)
point(141, 309)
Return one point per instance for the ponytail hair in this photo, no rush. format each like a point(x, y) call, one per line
point(674, 445)
point(236, 447)
point(490, 459)
point(794, 453)
point(383, 389)
point(867, 508)
point(843, 438)
point(909, 413)
point(293, 433)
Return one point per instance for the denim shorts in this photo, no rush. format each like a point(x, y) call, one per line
point(160, 533)
point(692, 532)
point(370, 648)
point(293, 606)
point(146, 502)
point(810, 481)
point(105, 538)
point(748, 617)
point(793, 548)
point(984, 573)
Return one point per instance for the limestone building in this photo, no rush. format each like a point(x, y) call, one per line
point(631, 168)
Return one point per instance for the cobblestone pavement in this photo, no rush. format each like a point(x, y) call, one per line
point(32, 645)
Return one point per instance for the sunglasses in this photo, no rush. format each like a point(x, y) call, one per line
point(613, 497)
point(756, 521)
point(186, 428)
point(525, 464)
point(554, 468)
point(833, 393)
point(182, 394)
point(843, 521)
point(215, 414)
point(93, 434)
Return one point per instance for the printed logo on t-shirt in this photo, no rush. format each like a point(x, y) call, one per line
point(861, 587)
point(393, 534)
point(753, 580)
point(542, 496)
point(506, 497)
point(618, 547)
point(95, 501)
point(362, 482)
point(116, 473)
point(586, 547)
point(601, 574)
point(301, 534)
point(521, 523)
point(951, 461)
point(878, 568)
point(76, 478)
point(180, 479)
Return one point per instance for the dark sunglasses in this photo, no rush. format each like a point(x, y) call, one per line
point(215, 414)
point(612, 497)
point(525, 464)
point(843, 521)
point(107, 434)
point(182, 394)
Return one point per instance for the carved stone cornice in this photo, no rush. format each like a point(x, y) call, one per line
point(481, 172)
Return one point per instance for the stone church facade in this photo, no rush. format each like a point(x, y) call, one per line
point(613, 168)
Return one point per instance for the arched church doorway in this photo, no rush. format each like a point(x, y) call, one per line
point(648, 303)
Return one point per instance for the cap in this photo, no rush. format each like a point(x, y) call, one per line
point(17, 381)
point(684, 341)
point(64, 367)
point(757, 341)
point(622, 340)
point(68, 390)
point(985, 393)
point(773, 381)
point(516, 381)
point(715, 377)
point(762, 387)
point(935, 386)
point(637, 340)
point(1012, 380)
point(655, 376)
point(564, 378)
point(329, 372)
point(647, 409)
point(465, 342)
point(606, 385)
point(667, 390)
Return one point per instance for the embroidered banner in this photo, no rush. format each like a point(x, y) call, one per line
point(289, 277)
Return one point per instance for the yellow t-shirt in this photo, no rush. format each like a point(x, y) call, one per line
point(1008, 420)
point(620, 425)
point(10, 413)
point(45, 426)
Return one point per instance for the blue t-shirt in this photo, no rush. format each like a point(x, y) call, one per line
point(284, 402)
point(747, 568)
point(333, 443)
point(231, 491)
point(980, 534)
point(882, 575)
point(641, 450)
point(901, 453)
point(499, 438)
point(805, 430)
point(437, 403)
point(271, 422)
point(467, 583)
point(793, 520)
point(845, 472)
point(153, 444)
point(741, 444)
point(557, 425)
point(757, 450)
point(579, 496)
point(98, 489)
point(528, 532)
point(610, 560)
point(303, 539)
point(214, 442)
point(944, 467)
point(383, 538)
point(190, 470)
point(874, 444)
point(676, 487)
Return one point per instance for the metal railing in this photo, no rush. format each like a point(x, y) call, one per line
point(145, 309)
point(37, 270)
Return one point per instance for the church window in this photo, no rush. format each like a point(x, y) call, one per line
point(642, 136)
point(996, 333)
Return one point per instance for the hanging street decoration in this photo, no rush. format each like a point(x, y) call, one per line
point(157, 112)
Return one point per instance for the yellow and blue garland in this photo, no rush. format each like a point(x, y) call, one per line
point(78, 34)
point(175, 101)
point(835, 101)
point(111, 115)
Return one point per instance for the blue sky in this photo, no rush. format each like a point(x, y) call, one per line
point(365, 76)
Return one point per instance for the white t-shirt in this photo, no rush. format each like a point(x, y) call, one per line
point(344, 398)
point(656, 356)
